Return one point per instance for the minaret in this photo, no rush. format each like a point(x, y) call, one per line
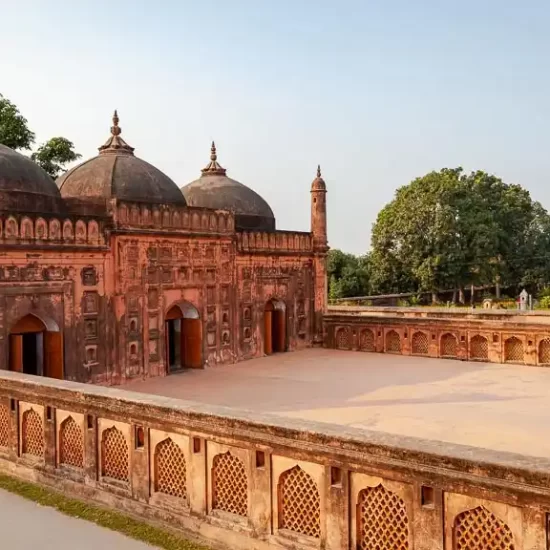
point(320, 249)
point(319, 212)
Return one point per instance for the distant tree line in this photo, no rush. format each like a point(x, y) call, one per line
point(450, 230)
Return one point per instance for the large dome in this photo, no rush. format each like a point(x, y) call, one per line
point(216, 191)
point(116, 172)
point(24, 186)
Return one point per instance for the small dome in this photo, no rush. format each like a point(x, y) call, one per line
point(24, 186)
point(116, 172)
point(216, 191)
point(318, 183)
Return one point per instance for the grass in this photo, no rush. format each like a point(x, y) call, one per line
point(113, 520)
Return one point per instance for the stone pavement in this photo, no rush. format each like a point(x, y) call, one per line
point(499, 407)
point(27, 526)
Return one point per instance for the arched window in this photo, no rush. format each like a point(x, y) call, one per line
point(114, 456)
point(229, 485)
point(170, 469)
point(71, 444)
point(513, 350)
point(393, 342)
point(479, 348)
point(479, 529)
point(448, 346)
point(420, 343)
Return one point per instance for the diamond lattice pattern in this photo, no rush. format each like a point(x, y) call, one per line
point(544, 352)
point(367, 340)
point(170, 469)
point(393, 342)
point(32, 434)
point(479, 529)
point(513, 350)
point(71, 444)
point(115, 455)
point(448, 345)
point(342, 338)
point(299, 503)
point(479, 348)
point(382, 520)
point(420, 343)
point(4, 426)
point(230, 486)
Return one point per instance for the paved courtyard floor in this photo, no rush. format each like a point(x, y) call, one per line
point(499, 407)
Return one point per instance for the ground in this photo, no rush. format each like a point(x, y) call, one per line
point(51, 530)
point(499, 407)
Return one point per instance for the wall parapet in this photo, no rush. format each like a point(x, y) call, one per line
point(294, 242)
point(28, 230)
point(512, 339)
point(170, 217)
point(254, 481)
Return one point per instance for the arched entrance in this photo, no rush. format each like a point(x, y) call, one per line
point(36, 347)
point(274, 327)
point(183, 337)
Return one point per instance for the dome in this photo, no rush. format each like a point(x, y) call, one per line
point(216, 191)
point(116, 172)
point(24, 186)
point(318, 183)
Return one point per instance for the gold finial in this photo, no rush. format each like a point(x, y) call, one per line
point(115, 128)
point(318, 170)
point(213, 155)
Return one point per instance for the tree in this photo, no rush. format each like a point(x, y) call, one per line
point(449, 229)
point(347, 274)
point(53, 155)
point(14, 130)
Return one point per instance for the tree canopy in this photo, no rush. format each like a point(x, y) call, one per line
point(52, 156)
point(449, 229)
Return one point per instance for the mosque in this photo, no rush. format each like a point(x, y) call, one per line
point(113, 272)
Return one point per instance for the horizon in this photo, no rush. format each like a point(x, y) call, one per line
point(377, 96)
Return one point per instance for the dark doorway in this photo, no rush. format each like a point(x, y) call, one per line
point(183, 328)
point(274, 327)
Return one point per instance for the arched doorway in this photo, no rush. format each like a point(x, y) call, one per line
point(183, 337)
point(36, 347)
point(274, 327)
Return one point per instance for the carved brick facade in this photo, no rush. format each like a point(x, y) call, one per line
point(126, 280)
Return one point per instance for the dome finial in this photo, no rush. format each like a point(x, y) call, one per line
point(318, 170)
point(318, 183)
point(213, 155)
point(213, 168)
point(115, 144)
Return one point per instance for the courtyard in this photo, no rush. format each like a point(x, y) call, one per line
point(502, 407)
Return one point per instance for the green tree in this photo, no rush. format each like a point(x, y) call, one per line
point(449, 229)
point(14, 130)
point(348, 275)
point(54, 155)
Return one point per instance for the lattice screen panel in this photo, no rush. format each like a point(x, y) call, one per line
point(343, 338)
point(367, 340)
point(544, 352)
point(170, 469)
point(115, 456)
point(448, 345)
point(230, 485)
point(393, 342)
point(382, 522)
point(479, 529)
point(513, 350)
point(4, 426)
point(32, 434)
point(420, 343)
point(71, 444)
point(299, 504)
point(479, 348)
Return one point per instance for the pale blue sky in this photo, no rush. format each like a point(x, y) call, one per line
point(378, 92)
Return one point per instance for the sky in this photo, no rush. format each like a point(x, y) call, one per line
point(377, 92)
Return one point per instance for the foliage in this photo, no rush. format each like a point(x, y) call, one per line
point(544, 302)
point(14, 130)
point(53, 155)
point(348, 275)
point(450, 230)
point(116, 521)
